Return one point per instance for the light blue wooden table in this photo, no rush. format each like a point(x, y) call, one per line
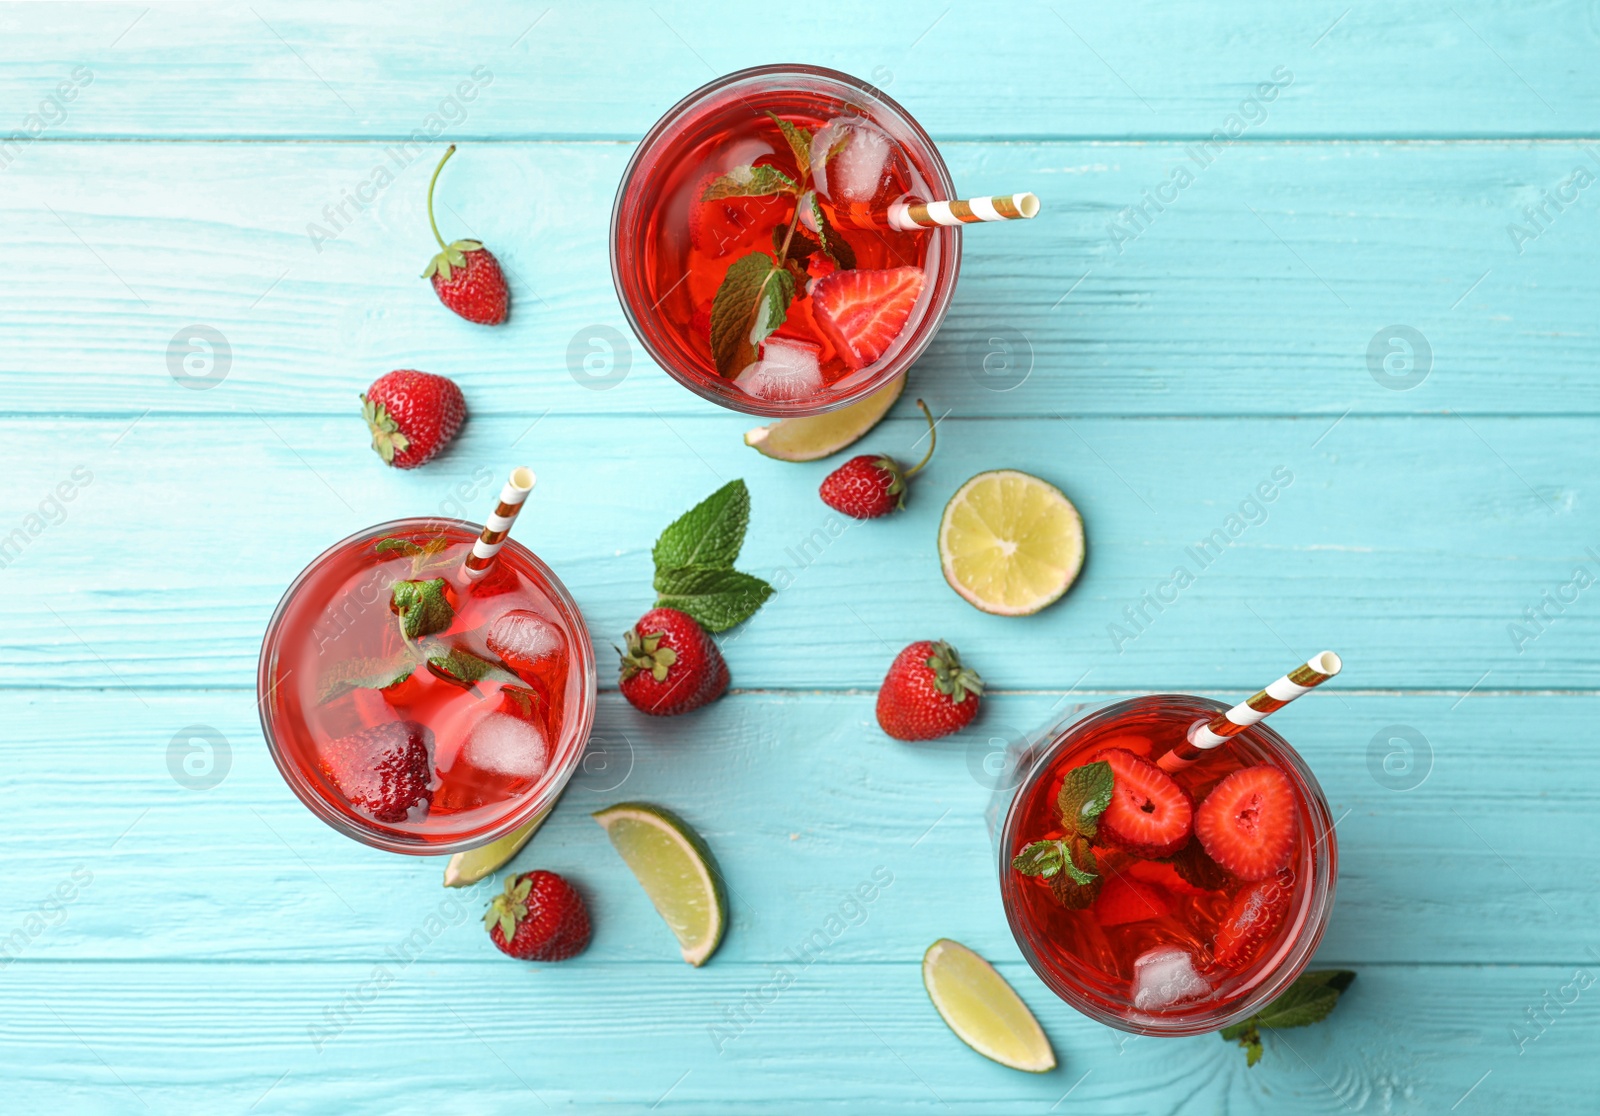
point(189, 939)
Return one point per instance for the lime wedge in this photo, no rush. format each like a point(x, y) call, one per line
point(467, 868)
point(1010, 543)
point(817, 436)
point(676, 870)
point(983, 1010)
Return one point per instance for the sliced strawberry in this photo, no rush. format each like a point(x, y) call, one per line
point(1253, 916)
point(1248, 822)
point(1149, 814)
point(1163, 875)
point(862, 312)
point(1123, 900)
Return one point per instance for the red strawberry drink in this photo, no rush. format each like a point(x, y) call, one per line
point(751, 247)
point(1192, 898)
point(418, 710)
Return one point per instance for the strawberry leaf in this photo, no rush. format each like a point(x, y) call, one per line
point(717, 598)
point(749, 182)
point(422, 607)
point(708, 534)
point(1085, 794)
point(799, 142)
point(750, 304)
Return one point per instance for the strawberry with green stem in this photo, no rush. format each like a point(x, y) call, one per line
point(872, 485)
point(466, 276)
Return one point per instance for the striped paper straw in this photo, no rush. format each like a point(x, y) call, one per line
point(498, 526)
point(1206, 735)
point(927, 215)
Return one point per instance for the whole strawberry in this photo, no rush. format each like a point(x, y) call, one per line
point(466, 276)
point(539, 917)
point(869, 485)
point(385, 771)
point(927, 693)
point(412, 416)
point(670, 665)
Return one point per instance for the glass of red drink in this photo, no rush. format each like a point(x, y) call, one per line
point(1167, 941)
point(417, 710)
point(848, 306)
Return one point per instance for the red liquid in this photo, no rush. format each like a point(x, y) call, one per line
point(493, 745)
point(1094, 950)
point(689, 244)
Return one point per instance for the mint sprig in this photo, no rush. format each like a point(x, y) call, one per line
point(749, 306)
point(694, 560)
point(423, 555)
point(422, 607)
point(799, 141)
point(832, 243)
point(1068, 862)
point(1308, 1000)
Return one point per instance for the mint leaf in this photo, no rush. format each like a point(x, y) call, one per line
point(363, 674)
point(717, 598)
point(1308, 1000)
point(1041, 858)
point(801, 244)
point(832, 243)
point(1197, 869)
point(398, 546)
point(466, 669)
point(1077, 887)
point(422, 607)
point(749, 182)
point(527, 701)
point(422, 554)
point(752, 301)
point(708, 534)
point(799, 142)
point(1085, 794)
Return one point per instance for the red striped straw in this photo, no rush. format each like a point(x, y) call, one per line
point(906, 216)
point(498, 526)
point(1206, 735)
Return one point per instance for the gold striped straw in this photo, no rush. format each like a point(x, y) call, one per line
point(488, 544)
point(1206, 735)
point(927, 215)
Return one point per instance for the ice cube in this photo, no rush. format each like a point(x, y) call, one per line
point(522, 638)
point(857, 172)
point(1165, 976)
point(507, 745)
point(787, 370)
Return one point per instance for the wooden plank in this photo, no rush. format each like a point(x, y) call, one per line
point(1416, 548)
point(610, 69)
point(1443, 844)
point(838, 1038)
point(1265, 287)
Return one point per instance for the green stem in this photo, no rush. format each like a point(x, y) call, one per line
point(933, 439)
point(449, 151)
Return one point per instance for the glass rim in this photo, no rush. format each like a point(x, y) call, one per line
point(1293, 959)
point(924, 330)
point(389, 841)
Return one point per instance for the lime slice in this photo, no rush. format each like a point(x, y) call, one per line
point(817, 436)
point(467, 868)
point(983, 1010)
point(1010, 543)
point(676, 870)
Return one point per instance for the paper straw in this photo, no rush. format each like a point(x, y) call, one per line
point(498, 526)
point(1206, 735)
point(927, 215)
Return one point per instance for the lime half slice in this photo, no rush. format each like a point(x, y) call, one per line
point(817, 436)
point(1010, 543)
point(467, 868)
point(676, 870)
point(983, 1010)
